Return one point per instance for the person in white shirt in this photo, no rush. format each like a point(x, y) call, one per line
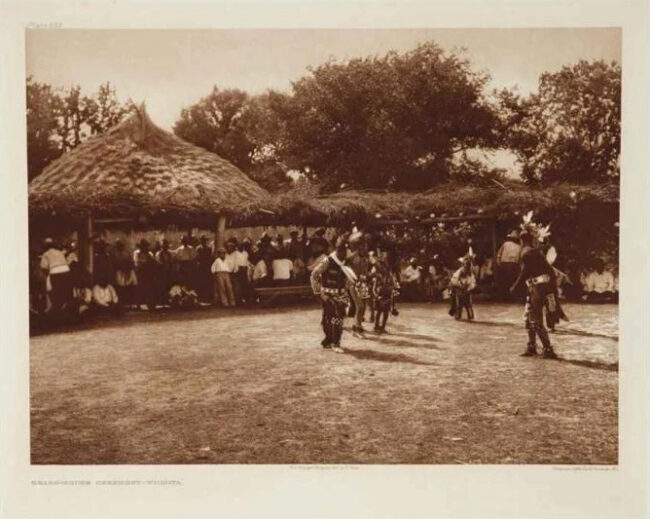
point(507, 267)
point(462, 283)
point(222, 269)
point(232, 259)
point(104, 297)
point(282, 267)
point(261, 271)
point(57, 271)
point(241, 255)
point(412, 272)
point(599, 284)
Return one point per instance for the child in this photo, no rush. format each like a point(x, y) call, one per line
point(463, 282)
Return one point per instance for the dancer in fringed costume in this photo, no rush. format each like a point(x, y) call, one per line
point(539, 278)
point(462, 283)
point(331, 280)
point(552, 306)
point(383, 287)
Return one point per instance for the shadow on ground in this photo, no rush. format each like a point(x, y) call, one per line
point(386, 357)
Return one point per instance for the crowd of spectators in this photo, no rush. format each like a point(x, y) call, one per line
point(196, 272)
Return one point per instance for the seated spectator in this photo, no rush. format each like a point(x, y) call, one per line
point(261, 269)
point(83, 294)
point(300, 269)
point(180, 298)
point(104, 297)
point(599, 285)
point(282, 267)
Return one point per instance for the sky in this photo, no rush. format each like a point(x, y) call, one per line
point(173, 68)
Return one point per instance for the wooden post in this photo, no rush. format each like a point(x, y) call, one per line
point(494, 248)
point(85, 243)
point(220, 234)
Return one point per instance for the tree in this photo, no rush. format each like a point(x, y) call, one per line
point(241, 128)
point(214, 123)
point(43, 106)
point(394, 121)
point(570, 129)
point(57, 121)
point(103, 110)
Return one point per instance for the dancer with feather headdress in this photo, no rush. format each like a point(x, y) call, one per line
point(463, 283)
point(539, 277)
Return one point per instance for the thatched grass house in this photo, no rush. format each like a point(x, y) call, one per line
point(137, 171)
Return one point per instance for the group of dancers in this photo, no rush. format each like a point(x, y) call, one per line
point(353, 278)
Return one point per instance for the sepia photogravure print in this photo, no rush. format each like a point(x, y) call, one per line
point(323, 246)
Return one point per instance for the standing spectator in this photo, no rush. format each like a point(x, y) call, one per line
point(232, 261)
point(508, 262)
point(186, 261)
point(125, 277)
point(145, 265)
point(205, 284)
point(55, 267)
point(165, 260)
point(242, 254)
point(73, 262)
point(222, 270)
point(103, 266)
point(411, 275)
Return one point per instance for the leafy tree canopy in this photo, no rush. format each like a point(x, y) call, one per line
point(570, 129)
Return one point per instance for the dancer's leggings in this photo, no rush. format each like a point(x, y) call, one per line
point(333, 316)
point(535, 316)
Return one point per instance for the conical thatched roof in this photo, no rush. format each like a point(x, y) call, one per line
point(137, 168)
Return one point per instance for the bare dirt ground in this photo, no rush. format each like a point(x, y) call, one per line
point(254, 386)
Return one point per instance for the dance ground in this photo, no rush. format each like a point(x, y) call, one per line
point(255, 386)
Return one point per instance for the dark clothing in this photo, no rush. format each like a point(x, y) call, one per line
point(461, 300)
point(205, 281)
point(333, 316)
point(61, 293)
point(103, 267)
point(535, 315)
point(540, 280)
point(383, 298)
point(533, 264)
point(146, 270)
point(333, 278)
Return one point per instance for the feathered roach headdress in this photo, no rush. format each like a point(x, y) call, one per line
point(537, 231)
point(469, 256)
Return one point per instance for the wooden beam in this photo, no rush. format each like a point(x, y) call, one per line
point(113, 220)
point(85, 244)
point(220, 233)
point(494, 249)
